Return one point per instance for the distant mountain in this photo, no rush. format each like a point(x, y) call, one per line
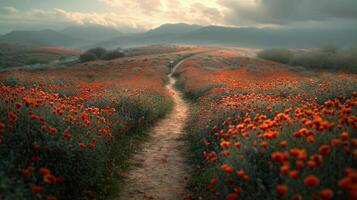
point(245, 37)
point(41, 38)
point(92, 33)
point(166, 33)
point(271, 37)
point(91, 36)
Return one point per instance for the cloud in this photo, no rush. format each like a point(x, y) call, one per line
point(8, 10)
point(285, 12)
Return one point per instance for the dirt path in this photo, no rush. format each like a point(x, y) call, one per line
point(159, 170)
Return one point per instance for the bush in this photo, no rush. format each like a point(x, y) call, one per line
point(87, 56)
point(112, 55)
point(328, 58)
point(277, 55)
point(98, 51)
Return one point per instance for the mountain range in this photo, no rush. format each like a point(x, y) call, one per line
point(91, 36)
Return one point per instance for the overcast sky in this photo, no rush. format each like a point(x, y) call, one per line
point(139, 15)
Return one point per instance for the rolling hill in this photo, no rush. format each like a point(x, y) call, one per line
point(92, 33)
point(244, 37)
point(92, 36)
point(41, 38)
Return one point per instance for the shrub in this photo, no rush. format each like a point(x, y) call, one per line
point(112, 55)
point(87, 56)
point(327, 58)
point(98, 51)
point(277, 55)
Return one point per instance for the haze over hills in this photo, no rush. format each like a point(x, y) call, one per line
point(92, 33)
point(245, 37)
point(86, 37)
point(40, 38)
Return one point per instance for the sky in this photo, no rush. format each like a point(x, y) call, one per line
point(141, 15)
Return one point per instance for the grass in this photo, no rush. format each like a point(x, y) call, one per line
point(328, 58)
point(232, 148)
point(83, 125)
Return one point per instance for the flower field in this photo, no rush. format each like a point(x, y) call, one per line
point(261, 130)
point(65, 133)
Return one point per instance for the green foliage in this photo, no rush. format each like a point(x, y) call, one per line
point(99, 53)
point(277, 55)
point(328, 58)
point(87, 56)
point(110, 55)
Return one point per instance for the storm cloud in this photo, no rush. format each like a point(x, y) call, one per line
point(139, 15)
point(287, 12)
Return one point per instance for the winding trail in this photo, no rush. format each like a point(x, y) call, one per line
point(159, 170)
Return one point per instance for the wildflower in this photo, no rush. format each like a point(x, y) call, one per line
point(49, 178)
point(231, 196)
point(227, 168)
point(82, 145)
point(294, 174)
point(326, 194)
point(344, 136)
point(311, 181)
point(37, 189)
point(324, 150)
point(51, 197)
point(44, 171)
point(282, 189)
point(213, 181)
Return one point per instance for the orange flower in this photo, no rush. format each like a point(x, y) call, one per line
point(227, 168)
point(311, 164)
point(311, 181)
point(82, 145)
point(326, 194)
point(294, 174)
point(37, 189)
point(27, 171)
point(213, 181)
point(231, 196)
point(282, 189)
point(324, 150)
point(51, 198)
point(49, 178)
point(284, 144)
point(264, 144)
point(44, 171)
point(344, 136)
point(225, 144)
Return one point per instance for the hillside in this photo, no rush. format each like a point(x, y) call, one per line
point(40, 38)
point(244, 37)
point(91, 33)
point(14, 55)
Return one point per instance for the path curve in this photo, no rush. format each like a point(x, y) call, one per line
point(159, 170)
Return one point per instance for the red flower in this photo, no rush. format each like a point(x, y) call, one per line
point(51, 198)
point(227, 168)
point(324, 150)
point(44, 171)
point(326, 194)
point(282, 189)
point(344, 136)
point(36, 189)
point(311, 181)
point(232, 196)
point(82, 145)
point(49, 178)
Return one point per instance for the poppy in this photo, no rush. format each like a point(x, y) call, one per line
point(282, 189)
point(311, 181)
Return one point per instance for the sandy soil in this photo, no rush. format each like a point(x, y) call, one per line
point(159, 170)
